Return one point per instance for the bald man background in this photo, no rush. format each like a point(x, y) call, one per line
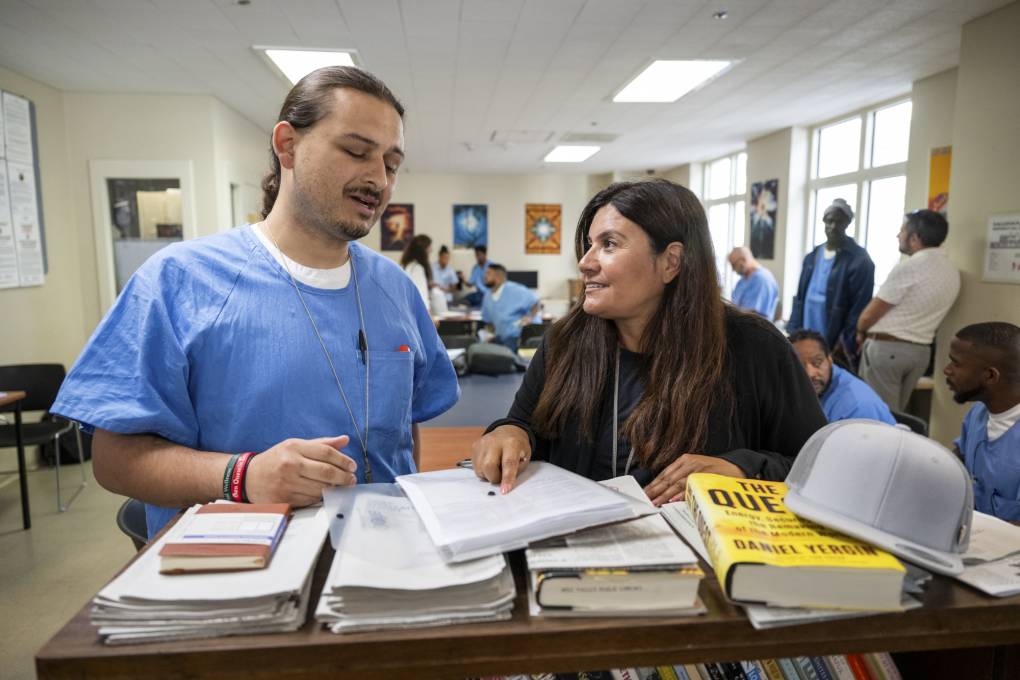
point(757, 290)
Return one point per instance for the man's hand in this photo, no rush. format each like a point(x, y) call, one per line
point(672, 482)
point(501, 455)
point(296, 471)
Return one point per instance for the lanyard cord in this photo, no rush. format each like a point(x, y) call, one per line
point(616, 406)
point(343, 394)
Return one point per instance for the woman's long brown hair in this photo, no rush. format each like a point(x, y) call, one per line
point(683, 346)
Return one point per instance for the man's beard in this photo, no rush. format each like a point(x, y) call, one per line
point(314, 216)
point(969, 395)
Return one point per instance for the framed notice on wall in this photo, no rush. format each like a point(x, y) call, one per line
point(1002, 249)
point(22, 242)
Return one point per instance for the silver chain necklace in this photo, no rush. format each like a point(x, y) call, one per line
point(363, 342)
point(616, 416)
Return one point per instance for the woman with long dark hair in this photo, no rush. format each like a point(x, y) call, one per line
point(652, 374)
point(415, 262)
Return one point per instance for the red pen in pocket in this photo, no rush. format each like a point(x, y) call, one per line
point(403, 348)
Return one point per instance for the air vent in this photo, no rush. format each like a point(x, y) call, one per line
point(520, 136)
point(588, 138)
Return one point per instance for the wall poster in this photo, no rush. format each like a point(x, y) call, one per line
point(397, 226)
point(22, 242)
point(470, 226)
point(938, 178)
point(1002, 254)
point(542, 231)
point(764, 205)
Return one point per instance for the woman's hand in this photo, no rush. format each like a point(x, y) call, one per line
point(501, 455)
point(672, 482)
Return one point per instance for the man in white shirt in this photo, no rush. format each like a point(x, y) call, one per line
point(900, 322)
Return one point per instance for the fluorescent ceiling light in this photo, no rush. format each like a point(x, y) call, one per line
point(296, 64)
point(569, 153)
point(667, 81)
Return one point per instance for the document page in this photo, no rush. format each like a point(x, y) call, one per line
point(991, 539)
point(464, 514)
point(381, 543)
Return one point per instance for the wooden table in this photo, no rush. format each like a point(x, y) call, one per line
point(977, 636)
point(16, 397)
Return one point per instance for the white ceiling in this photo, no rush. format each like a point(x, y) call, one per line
point(468, 68)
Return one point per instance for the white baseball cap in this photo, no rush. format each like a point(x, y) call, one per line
point(888, 486)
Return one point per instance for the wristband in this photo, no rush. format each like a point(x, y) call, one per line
point(237, 478)
point(227, 474)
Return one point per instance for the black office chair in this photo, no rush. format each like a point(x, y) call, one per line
point(913, 422)
point(449, 327)
point(41, 382)
point(131, 520)
point(531, 335)
point(457, 341)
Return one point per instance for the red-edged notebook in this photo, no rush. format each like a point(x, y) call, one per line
point(225, 537)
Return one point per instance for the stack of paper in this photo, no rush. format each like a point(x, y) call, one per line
point(992, 561)
point(142, 605)
point(469, 518)
point(388, 574)
point(637, 568)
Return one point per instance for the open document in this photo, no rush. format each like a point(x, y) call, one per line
point(143, 605)
point(992, 561)
point(388, 574)
point(469, 518)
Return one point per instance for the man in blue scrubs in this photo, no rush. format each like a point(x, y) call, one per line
point(984, 366)
point(757, 289)
point(842, 394)
point(477, 277)
point(836, 282)
point(508, 306)
point(284, 339)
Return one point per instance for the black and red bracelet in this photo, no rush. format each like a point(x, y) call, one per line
point(228, 473)
point(237, 478)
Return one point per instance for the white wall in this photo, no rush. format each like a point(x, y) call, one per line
point(44, 323)
point(433, 197)
point(241, 151)
point(985, 180)
point(931, 126)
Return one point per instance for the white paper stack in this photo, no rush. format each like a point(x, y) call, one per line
point(388, 574)
point(469, 518)
point(142, 605)
point(992, 561)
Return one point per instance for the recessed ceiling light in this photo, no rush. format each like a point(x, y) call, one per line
point(723, 14)
point(571, 153)
point(295, 64)
point(668, 80)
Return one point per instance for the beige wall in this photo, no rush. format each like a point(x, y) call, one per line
point(985, 181)
point(434, 195)
point(242, 157)
point(44, 323)
point(931, 126)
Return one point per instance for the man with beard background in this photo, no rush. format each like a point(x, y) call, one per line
point(842, 394)
point(303, 356)
point(984, 366)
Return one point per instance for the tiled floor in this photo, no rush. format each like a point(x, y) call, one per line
point(48, 572)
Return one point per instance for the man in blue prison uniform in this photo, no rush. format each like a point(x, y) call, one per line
point(836, 282)
point(984, 367)
point(508, 306)
point(757, 290)
point(228, 344)
point(842, 394)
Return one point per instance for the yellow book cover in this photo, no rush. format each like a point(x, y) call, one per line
point(762, 552)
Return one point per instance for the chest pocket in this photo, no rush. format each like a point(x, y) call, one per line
point(391, 385)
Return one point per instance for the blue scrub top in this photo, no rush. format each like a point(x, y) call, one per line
point(814, 306)
point(504, 314)
point(994, 466)
point(758, 292)
point(208, 346)
point(477, 278)
point(444, 276)
point(847, 396)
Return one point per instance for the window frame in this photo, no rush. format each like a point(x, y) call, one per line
point(735, 196)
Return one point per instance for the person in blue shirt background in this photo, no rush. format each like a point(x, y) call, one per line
point(508, 306)
point(984, 366)
point(477, 277)
point(444, 276)
point(842, 394)
point(836, 282)
point(757, 289)
point(282, 351)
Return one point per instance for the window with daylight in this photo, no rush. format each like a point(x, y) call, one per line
point(863, 160)
point(725, 203)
